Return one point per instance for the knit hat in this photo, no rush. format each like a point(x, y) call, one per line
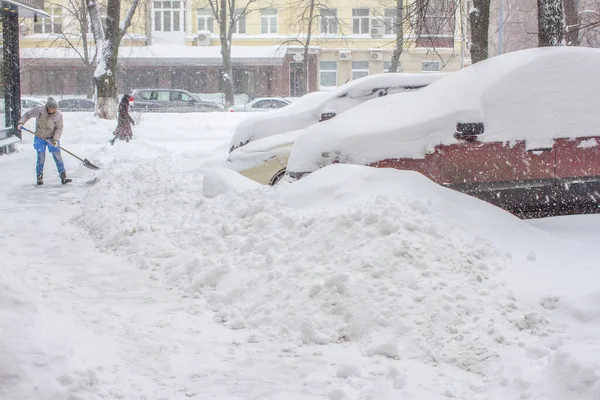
point(51, 103)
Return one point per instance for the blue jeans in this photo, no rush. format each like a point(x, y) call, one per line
point(40, 146)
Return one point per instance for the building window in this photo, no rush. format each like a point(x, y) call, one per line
point(390, 21)
point(168, 16)
point(431, 66)
point(360, 69)
point(328, 73)
point(50, 25)
point(206, 20)
point(268, 20)
point(240, 22)
point(360, 21)
point(388, 64)
point(329, 22)
point(434, 22)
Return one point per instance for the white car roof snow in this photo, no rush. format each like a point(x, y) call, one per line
point(307, 110)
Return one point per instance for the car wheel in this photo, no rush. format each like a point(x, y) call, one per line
point(277, 177)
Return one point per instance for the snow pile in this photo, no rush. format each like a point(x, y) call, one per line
point(516, 96)
point(221, 180)
point(382, 263)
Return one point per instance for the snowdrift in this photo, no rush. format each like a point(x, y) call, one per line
point(406, 279)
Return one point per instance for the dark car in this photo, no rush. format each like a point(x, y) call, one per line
point(76, 105)
point(171, 100)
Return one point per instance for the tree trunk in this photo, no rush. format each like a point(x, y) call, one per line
point(304, 75)
point(395, 63)
point(550, 22)
point(572, 22)
point(225, 37)
point(89, 71)
point(479, 17)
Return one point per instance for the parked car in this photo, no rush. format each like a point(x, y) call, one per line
point(261, 145)
point(261, 104)
point(28, 103)
point(171, 100)
point(76, 105)
point(515, 130)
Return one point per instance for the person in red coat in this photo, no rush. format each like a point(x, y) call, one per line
point(123, 131)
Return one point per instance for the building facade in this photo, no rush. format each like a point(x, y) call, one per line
point(175, 43)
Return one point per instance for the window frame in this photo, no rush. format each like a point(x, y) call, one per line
point(327, 71)
point(158, 24)
point(439, 66)
point(207, 16)
point(359, 20)
point(271, 17)
point(329, 23)
point(42, 22)
point(359, 71)
point(240, 22)
point(390, 22)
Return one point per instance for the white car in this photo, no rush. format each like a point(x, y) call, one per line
point(260, 146)
point(261, 104)
point(28, 103)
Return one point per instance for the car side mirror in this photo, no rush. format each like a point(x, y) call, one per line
point(469, 130)
point(327, 115)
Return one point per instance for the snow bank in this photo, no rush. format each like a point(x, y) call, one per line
point(516, 95)
point(382, 265)
point(221, 180)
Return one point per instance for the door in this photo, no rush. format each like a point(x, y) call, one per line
point(168, 22)
point(505, 174)
point(578, 172)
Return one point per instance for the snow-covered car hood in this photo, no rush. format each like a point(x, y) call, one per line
point(307, 110)
point(517, 96)
point(259, 151)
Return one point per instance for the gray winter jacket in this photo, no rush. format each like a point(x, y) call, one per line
point(47, 126)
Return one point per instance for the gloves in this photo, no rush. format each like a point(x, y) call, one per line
point(20, 126)
point(53, 142)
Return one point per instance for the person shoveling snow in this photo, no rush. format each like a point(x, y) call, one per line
point(123, 131)
point(48, 130)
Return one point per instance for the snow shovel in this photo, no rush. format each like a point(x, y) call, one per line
point(86, 162)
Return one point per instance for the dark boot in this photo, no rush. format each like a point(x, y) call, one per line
point(63, 178)
point(40, 179)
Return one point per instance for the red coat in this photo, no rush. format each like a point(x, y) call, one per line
point(124, 122)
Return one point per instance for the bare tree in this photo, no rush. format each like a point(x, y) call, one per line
point(75, 35)
point(550, 22)
point(227, 15)
point(308, 14)
point(108, 41)
point(479, 18)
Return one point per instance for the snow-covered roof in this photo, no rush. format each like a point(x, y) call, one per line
point(534, 95)
point(307, 110)
point(166, 54)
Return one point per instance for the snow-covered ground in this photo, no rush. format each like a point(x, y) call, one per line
point(352, 283)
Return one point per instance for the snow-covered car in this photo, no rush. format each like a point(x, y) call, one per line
point(264, 143)
point(261, 104)
point(28, 103)
point(521, 131)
